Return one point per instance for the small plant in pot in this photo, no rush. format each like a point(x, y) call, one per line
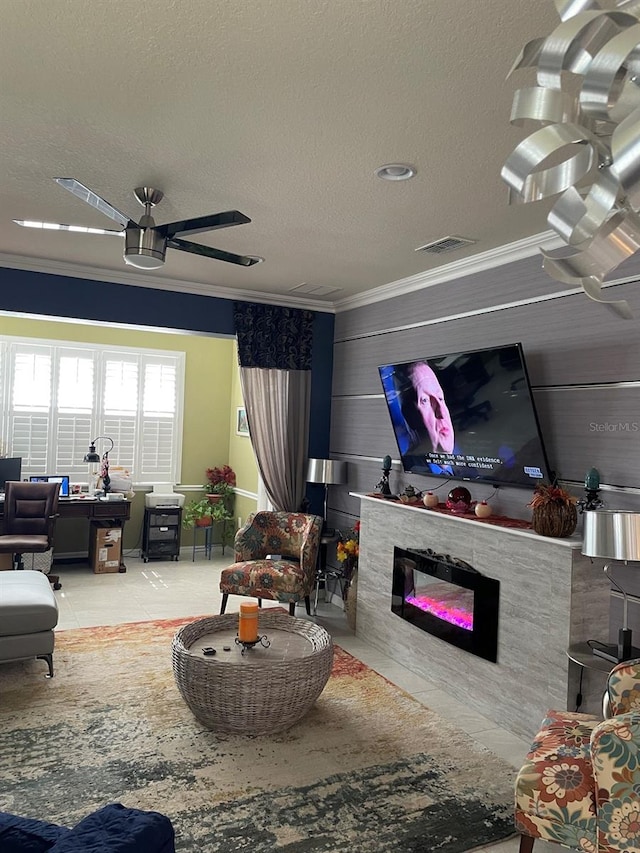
point(198, 513)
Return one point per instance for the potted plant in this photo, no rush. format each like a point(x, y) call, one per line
point(198, 513)
point(220, 486)
point(347, 552)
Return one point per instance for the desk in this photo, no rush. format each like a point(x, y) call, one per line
point(116, 511)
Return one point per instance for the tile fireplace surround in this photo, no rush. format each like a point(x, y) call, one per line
point(550, 597)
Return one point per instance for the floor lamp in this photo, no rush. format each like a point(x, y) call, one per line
point(614, 535)
point(328, 472)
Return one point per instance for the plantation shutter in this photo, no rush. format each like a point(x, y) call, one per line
point(73, 412)
point(159, 428)
point(57, 397)
point(121, 398)
point(29, 418)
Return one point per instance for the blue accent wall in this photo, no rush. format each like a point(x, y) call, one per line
point(64, 297)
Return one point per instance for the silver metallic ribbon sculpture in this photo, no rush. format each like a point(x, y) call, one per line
point(586, 145)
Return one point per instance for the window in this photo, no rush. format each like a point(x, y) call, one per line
point(57, 396)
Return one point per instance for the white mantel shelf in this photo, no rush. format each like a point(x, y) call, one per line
point(574, 541)
point(551, 597)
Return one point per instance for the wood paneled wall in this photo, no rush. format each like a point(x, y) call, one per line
point(583, 363)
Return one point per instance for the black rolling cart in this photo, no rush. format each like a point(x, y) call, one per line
point(161, 533)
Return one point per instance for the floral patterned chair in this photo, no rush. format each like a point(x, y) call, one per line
point(580, 783)
point(293, 539)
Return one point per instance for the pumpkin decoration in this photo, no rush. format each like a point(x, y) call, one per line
point(483, 510)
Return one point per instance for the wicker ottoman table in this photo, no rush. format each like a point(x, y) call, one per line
point(265, 690)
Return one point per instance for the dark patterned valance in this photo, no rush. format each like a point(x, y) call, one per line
point(272, 336)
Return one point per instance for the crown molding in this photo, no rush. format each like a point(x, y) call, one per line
point(50, 267)
point(506, 254)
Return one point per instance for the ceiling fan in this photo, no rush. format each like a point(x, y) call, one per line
point(145, 242)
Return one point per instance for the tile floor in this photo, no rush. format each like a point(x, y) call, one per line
point(164, 590)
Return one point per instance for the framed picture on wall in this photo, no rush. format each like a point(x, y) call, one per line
point(242, 425)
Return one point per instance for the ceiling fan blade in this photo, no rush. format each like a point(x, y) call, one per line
point(209, 252)
point(203, 223)
point(85, 194)
point(58, 226)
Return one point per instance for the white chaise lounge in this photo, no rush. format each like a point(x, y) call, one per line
point(28, 615)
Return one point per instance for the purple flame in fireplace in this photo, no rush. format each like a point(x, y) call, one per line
point(448, 611)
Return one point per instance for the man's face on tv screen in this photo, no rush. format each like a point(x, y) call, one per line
point(432, 408)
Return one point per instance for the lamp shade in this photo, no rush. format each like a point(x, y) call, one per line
point(91, 455)
point(327, 471)
point(612, 534)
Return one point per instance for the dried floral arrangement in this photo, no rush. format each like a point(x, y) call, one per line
point(548, 494)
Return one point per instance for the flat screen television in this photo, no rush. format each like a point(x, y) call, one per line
point(467, 416)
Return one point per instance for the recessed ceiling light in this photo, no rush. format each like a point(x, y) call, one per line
point(396, 172)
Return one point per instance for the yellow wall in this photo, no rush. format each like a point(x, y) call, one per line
point(210, 402)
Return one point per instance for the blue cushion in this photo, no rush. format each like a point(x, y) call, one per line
point(116, 829)
point(24, 835)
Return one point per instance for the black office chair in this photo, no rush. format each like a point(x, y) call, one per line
point(30, 513)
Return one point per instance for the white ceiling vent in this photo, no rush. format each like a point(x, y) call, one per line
point(314, 289)
point(445, 244)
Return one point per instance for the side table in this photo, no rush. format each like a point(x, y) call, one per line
point(582, 655)
point(266, 690)
point(323, 574)
point(207, 541)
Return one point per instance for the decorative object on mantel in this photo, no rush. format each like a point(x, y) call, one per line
point(383, 483)
point(482, 509)
point(430, 500)
point(410, 496)
point(495, 520)
point(591, 499)
point(586, 146)
point(554, 511)
point(459, 500)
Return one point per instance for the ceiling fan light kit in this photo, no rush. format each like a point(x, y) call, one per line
point(145, 242)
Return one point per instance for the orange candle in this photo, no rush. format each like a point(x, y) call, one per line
point(248, 622)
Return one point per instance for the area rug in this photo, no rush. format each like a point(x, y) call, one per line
point(368, 770)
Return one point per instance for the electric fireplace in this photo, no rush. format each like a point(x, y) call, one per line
point(447, 598)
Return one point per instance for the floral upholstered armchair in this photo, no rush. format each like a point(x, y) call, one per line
point(276, 556)
point(580, 783)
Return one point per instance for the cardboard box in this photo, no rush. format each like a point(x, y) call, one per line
point(105, 547)
point(6, 562)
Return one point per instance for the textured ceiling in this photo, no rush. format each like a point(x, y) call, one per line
point(281, 109)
